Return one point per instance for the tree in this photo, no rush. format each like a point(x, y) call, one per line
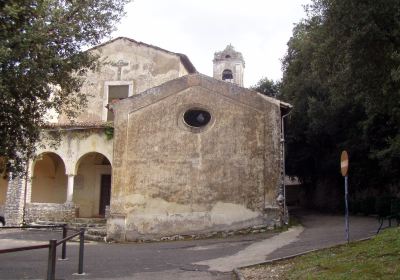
point(268, 87)
point(342, 74)
point(41, 44)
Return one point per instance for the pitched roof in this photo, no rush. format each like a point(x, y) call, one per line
point(242, 95)
point(184, 59)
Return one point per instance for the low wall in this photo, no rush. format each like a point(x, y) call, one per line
point(50, 212)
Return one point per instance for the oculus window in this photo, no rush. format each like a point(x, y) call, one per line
point(196, 117)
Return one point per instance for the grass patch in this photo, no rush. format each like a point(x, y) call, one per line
point(378, 258)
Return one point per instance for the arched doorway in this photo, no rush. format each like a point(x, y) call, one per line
point(49, 182)
point(92, 186)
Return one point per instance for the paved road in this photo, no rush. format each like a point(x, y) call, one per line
point(200, 259)
point(321, 231)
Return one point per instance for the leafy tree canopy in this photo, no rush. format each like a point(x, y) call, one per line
point(342, 74)
point(41, 45)
point(268, 87)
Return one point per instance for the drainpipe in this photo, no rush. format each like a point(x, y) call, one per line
point(283, 163)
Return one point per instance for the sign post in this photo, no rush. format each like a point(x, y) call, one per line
point(344, 168)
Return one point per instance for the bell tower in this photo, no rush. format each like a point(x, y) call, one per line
point(229, 66)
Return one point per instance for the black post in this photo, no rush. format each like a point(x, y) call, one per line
point(64, 245)
point(346, 195)
point(51, 262)
point(81, 249)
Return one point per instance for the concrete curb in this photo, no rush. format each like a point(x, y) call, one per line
point(239, 276)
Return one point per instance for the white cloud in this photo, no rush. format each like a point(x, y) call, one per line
point(259, 29)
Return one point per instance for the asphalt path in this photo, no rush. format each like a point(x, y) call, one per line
point(163, 260)
point(196, 259)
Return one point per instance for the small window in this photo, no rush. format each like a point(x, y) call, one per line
point(116, 93)
point(227, 75)
point(197, 117)
point(227, 56)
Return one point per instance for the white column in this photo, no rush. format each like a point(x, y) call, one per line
point(70, 189)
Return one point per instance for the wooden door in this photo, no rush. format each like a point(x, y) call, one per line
point(105, 193)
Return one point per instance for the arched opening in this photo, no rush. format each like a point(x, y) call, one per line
point(49, 182)
point(227, 75)
point(92, 185)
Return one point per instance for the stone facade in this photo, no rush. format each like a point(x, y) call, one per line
point(14, 207)
point(173, 178)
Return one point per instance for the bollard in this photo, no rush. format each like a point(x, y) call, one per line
point(81, 248)
point(64, 245)
point(51, 262)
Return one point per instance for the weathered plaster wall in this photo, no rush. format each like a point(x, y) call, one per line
point(75, 143)
point(49, 181)
point(168, 179)
point(143, 66)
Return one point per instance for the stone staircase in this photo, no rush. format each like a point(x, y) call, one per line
point(95, 228)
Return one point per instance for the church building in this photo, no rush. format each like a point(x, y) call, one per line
point(161, 150)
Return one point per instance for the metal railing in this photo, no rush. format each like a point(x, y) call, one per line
point(52, 245)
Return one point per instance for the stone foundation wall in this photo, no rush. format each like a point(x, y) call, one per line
point(50, 212)
point(2, 210)
point(13, 209)
point(117, 230)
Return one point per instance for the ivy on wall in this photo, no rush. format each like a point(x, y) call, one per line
point(109, 130)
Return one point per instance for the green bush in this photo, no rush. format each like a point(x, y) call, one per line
point(367, 205)
point(382, 206)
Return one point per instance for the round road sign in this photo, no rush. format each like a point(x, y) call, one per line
point(344, 163)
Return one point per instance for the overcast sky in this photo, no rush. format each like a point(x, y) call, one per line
point(259, 29)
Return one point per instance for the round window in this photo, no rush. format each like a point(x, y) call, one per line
point(197, 117)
